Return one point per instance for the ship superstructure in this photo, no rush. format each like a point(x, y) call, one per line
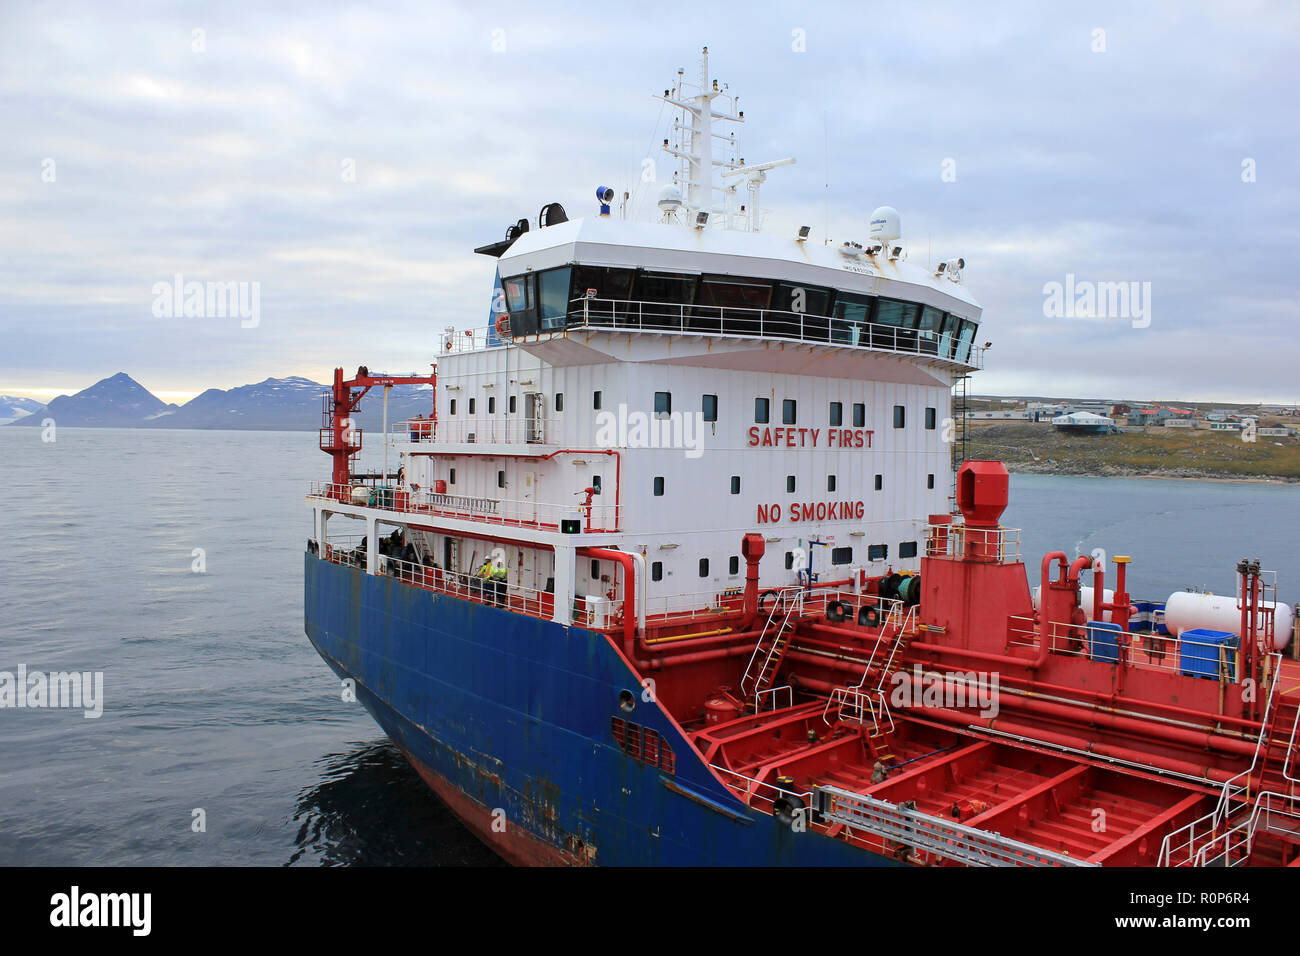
point(677, 570)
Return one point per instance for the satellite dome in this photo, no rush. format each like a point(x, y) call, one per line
point(670, 198)
point(885, 224)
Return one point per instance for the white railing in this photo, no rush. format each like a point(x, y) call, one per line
point(751, 787)
point(498, 429)
point(786, 611)
point(1188, 845)
point(1000, 545)
point(1144, 650)
point(504, 511)
point(645, 316)
point(693, 604)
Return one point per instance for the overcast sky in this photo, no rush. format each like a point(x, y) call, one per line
point(1115, 142)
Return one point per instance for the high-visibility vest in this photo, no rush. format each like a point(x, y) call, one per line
point(485, 572)
point(499, 574)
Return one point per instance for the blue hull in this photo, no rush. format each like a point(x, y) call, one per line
point(508, 718)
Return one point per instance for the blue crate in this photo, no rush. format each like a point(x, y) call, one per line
point(1198, 652)
point(1103, 641)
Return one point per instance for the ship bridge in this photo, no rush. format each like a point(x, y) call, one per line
point(739, 298)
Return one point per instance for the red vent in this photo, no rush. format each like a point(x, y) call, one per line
point(644, 744)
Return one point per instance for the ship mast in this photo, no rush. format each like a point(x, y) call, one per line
point(694, 152)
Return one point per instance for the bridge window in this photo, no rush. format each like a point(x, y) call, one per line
point(554, 297)
point(907, 549)
point(521, 299)
point(663, 296)
point(930, 324)
point(709, 407)
point(877, 552)
point(606, 284)
point(852, 315)
point(900, 416)
point(841, 555)
point(789, 411)
point(657, 571)
point(761, 411)
point(659, 486)
point(704, 567)
point(837, 413)
point(830, 482)
point(805, 310)
point(663, 404)
point(903, 315)
point(930, 416)
point(964, 340)
point(859, 415)
point(735, 484)
point(731, 292)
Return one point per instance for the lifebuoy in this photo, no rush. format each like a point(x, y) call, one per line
point(503, 324)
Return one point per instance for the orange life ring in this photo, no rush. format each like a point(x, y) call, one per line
point(503, 324)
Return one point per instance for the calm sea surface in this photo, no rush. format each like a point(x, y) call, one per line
point(215, 700)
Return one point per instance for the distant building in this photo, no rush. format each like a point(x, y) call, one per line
point(1278, 431)
point(1180, 423)
point(1222, 426)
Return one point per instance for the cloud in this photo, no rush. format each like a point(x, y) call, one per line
point(227, 163)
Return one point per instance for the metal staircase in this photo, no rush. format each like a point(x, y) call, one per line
point(770, 649)
point(868, 705)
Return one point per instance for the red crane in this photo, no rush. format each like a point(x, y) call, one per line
point(340, 438)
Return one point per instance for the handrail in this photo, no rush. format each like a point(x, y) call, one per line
point(1231, 789)
point(778, 604)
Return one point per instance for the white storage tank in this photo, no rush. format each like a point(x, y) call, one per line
point(1186, 609)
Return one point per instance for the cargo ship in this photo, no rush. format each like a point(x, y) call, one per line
point(685, 566)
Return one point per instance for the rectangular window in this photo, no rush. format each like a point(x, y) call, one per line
point(760, 411)
point(709, 406)
point(733, 564)
point(492, 404)
point(704, 567)
point(657, 571)
point(930, 416)
point(830, 482)
point(735, 484)
point(907, 549)
point(789, 560)
point(595, 400)
point(659, 486)
point(789, 483)
point(859, 415)
point(501, 479)
point(595, 570)
point(451, 477)
point(559, 401)
point(900, 416)
point(554, 297)
point(595, 483)
point(878, 552)
point(510, 406)
point(789, 412)
point(880, 482)
point(841, 555)
point(837, 413)
point(518, 297)
point(663, 404)
point(471, 406)
point(929, 481)
point(452, 406)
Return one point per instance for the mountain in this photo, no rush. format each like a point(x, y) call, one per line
point(276, 404)
point(115, 402)
point(13, 408)
point(289, 404)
